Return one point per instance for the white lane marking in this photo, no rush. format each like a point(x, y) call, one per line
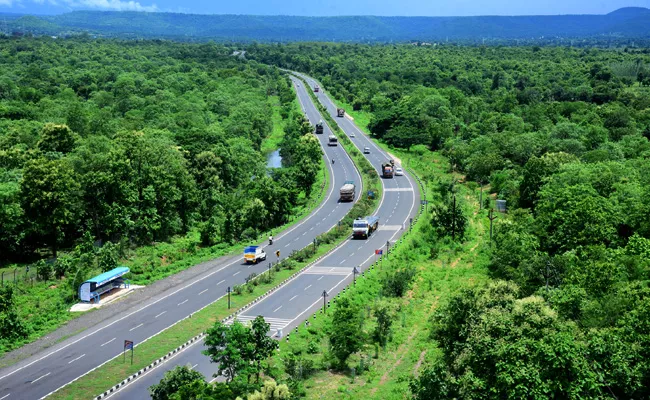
point(194, 366)
point(136, 327)
point(38, 379)
point(107, 342)
point(201, 292)
point(320, 278)
point(5, 396)
point(304, 233)
point(277, 309)
point(71, 361)
point(183, 302)
point(341, 262)
point(359, 248)
point(235, 274)
point(220, 282)
point(293, 297)
point(287, 245)
point(307, 287)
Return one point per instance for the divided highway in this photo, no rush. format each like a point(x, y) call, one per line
point(42, 374)
point(298, 299)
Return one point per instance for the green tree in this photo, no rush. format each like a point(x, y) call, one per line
point(11, 325)
point(57, 138)
point(449, 219)
point(345, 334)
point(497, 344)
point(271, 391)
point(385, 314)
point(50, 198)
point(174, 381)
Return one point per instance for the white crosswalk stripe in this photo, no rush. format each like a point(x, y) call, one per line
point(320, 270)
point(276, 323)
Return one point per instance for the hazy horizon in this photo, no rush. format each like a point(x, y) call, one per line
point(330, 8)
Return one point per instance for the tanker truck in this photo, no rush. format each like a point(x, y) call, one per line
point(364, 227)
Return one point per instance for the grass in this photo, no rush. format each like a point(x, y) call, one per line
point(272, 142)
point(440, 274)
point(43, 305)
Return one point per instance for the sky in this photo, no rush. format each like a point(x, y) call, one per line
point(329, 7)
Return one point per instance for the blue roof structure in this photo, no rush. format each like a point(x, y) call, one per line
point(109, 276)
point(250, 249)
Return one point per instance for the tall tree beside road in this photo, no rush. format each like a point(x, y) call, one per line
point(345, 333)
point(50, 197)
point(239, 350)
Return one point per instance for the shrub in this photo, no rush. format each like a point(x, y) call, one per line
point(396, 283)
point(238, 289)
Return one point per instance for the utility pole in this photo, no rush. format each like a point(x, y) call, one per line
point(491, 217)
point(324, 300)
point(453, 220)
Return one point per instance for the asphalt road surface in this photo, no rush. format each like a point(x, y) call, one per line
point(53, 368)
point(301, 297)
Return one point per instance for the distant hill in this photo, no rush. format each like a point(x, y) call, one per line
point(631, 22)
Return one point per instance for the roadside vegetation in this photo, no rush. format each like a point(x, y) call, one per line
point(559, 134)
point(148, 154)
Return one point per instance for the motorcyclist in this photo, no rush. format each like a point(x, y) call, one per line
point(332, 161)
point(270, 240)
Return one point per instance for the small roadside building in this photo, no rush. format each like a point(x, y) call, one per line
point(92, 289)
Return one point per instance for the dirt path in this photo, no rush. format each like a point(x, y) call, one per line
point(419, 363)
point(401, 351)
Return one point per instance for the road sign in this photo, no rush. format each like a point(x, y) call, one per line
point(128, 345)
point(277, 253)
point(379, 252)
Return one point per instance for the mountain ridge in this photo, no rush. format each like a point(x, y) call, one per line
point(628, 22)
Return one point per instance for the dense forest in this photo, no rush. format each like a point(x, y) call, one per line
point(106, 146)
point(561, 135)
point(621, 26)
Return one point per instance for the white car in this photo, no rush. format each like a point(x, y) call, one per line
point(352, 134)
point(399, 171)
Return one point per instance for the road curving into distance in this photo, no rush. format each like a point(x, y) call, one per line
point(298, 299)
point(51, 369)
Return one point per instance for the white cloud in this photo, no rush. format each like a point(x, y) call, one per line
point(115, 5)
point(111, 5)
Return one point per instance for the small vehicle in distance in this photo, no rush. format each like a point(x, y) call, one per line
point(399, 171)
point(366, 150)
point(352, 135)
point(254, 254)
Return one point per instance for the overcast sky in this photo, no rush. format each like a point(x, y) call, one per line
point(330, 7)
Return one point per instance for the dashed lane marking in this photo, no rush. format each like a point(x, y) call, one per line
point(38, 379)
point(183, 302)
point(135, 327)
point(203, 291)
point(115, 338)
point(71, 361)
point(293, 297)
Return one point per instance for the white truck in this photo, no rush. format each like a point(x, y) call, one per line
point(254, 254)
point(364, 227)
